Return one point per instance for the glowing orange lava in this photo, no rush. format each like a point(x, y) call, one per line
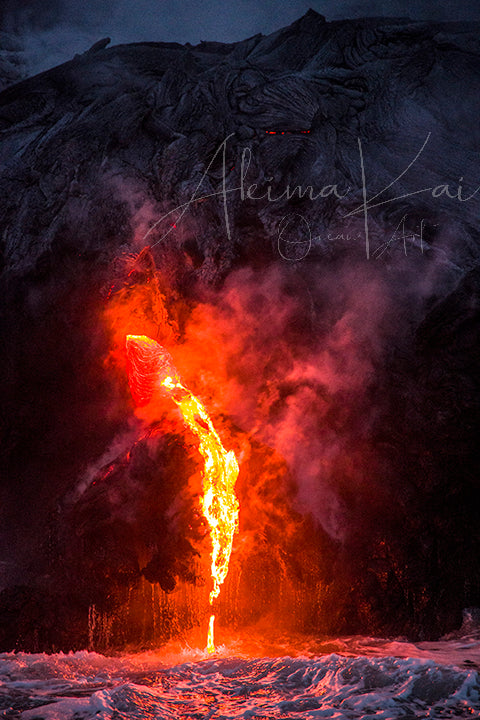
point(149, 367)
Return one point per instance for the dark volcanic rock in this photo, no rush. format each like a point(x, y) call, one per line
point(356, 354)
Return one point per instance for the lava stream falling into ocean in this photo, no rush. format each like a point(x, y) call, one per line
point(149, 367)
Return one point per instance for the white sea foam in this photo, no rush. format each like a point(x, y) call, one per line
point(364, 678)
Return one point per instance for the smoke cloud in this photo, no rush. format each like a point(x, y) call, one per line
point(293, 381)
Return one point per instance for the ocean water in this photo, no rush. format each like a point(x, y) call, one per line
point(341, 678)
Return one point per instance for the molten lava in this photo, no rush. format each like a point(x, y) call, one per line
point(150, 367)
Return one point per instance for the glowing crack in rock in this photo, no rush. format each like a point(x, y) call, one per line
point(150, 367)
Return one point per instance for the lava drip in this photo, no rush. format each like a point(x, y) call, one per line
point(150, 367)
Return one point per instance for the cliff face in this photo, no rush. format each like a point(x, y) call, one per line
point(340, 319)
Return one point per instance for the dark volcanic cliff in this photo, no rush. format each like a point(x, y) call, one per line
point(344, 335)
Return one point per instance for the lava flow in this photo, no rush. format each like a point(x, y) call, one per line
point(149, 367)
